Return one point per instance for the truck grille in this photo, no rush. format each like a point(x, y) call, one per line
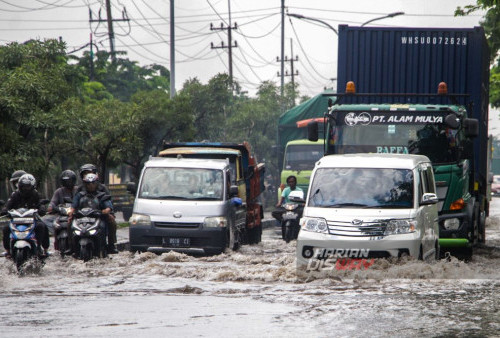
point(364, 230)
point(176, 225)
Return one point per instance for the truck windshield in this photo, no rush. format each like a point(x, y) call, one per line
point(404, 134)
point(302, 156)
point(361, 188)
point(182, 183)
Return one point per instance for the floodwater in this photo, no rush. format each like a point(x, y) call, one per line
point(254, 292)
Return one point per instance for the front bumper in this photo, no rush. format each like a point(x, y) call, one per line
point(455, 238)
point(321, 245)
point(155, 239)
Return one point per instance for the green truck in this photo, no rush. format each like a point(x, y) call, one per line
point(296, 154)
point(393, 112)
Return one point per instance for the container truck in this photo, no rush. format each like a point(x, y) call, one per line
point(390, 103)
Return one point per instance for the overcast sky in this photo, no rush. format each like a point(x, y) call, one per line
point(146, 38)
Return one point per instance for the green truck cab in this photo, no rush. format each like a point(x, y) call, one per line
point(299, 159)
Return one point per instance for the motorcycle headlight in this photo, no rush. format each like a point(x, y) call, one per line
point(139, 219)
point(77, 232)
point(400, 226)
point(215, 222)
point(314, 224)
point(21, 234)
point(290, 206)
point(92, 232)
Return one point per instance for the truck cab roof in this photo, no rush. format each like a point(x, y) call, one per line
point(187, 163)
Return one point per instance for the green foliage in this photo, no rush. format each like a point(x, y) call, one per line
point(491, 25)
point(125, 78)
point(34, 79)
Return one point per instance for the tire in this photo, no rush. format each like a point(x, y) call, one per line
point(421, 254)
point(127, 212)
point(62, 245)
point(288, 231)
point(437, 251)
point(85, 253)
point(20, 258)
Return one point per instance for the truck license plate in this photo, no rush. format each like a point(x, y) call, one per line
point(176, 242)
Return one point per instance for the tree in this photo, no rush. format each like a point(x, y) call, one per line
point(35, 78)
point(125, 78)
point(157, 119)
point(491, 25)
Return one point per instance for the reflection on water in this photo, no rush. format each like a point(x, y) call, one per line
point(398, 298)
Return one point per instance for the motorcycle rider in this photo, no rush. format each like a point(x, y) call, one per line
point(26, 196)
point(292, 185)
point(66, 192)
point(90, 190)
point(110, 218)
point(16, 175)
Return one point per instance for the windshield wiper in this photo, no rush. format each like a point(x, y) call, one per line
point(162, 197)
point(386, 206)
point(344, 205)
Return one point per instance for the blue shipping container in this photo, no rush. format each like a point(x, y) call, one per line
point(416, 60)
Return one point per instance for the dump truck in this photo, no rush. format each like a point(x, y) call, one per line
point(419, 91)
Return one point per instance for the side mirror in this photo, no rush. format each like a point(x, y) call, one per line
point(452, 121)
point(233, 191)
point(132, 187)
point(429, 198)
point(249, 172)
point(312, 131)
point(471, 127)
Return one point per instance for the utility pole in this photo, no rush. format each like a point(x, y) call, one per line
point(91, 58)
point(109, 21)
point(293, 72)
point(282, 55)
point(172, 50)
point(229, 38)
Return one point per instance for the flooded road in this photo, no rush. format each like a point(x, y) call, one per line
point(254, 292)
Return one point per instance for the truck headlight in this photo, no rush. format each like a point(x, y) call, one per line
point(138, 219)
point(400, 226)
point(314, 224)
point(451, 224)
point(215, 222)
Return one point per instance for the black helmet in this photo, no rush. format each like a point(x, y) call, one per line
point(87, 168)
point(26, 183)
point(68, 179)
point(16, 175)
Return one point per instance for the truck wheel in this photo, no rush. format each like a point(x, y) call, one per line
point(437, 251)
point(482, 227)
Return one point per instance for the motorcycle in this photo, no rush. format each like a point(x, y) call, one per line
point(62, 231)
point(290, 216)
point(23, 243)
point(89, 234)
